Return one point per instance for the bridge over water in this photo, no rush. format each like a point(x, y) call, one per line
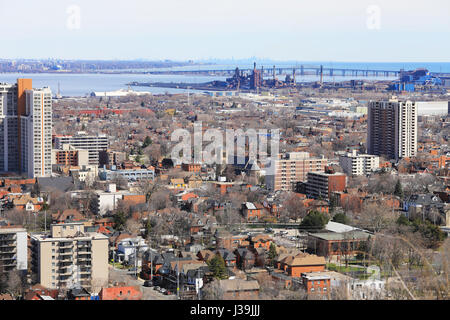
point(297, 70)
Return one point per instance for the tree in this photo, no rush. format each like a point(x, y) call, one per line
point(119, 220)
point(398, 191)
point(217, 267)
point(314, 220)
point(212, 291)
point(147, 142)
point(433, 235)
point(14, 283)
point(376, 216)
point(341, 218)
point(272, 255)
point(293, 207)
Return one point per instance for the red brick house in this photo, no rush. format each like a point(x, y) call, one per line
point(294, 266)
point(316, 282)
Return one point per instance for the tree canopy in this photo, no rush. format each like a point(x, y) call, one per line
point(314, 220)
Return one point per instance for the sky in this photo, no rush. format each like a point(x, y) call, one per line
point(295, 30)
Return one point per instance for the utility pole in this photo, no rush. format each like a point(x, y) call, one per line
point(178, 278)
point(151, 260)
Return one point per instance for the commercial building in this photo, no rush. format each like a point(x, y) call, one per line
point(392, 129)
point(354, 164)
point(322, 184)
point(70, 258)
point(25, 129)
point(94, 144)
point(433, 108)
point(13, 249)
point(284, 172)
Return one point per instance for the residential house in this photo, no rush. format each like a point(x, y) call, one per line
point(238, 289)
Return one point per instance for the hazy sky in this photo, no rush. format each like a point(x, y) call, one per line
point(302, 30)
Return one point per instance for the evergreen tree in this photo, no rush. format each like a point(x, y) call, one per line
point(217, 267)
point(119, 220)
point(314, 220)
point(272, 254)
point(398, 189)
point(147, 142)
point(341, 218)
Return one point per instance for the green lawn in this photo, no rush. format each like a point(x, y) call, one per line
point(343, 269)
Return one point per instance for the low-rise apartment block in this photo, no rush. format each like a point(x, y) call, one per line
point(93, 143)
point(70, 257)
point(13, 249)
point(354, 164)
point(322, 184)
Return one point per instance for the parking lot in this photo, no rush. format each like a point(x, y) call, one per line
point(149, 293)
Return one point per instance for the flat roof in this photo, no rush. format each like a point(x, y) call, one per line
point(86, 236)
point(341, 236)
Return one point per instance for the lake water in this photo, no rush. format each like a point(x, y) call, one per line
point(84, 84)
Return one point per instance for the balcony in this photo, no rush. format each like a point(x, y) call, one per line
point(65, 245)
point(66, 258)
point(9, 249)
point(7, 243)
point(5, 257)
point(84, 258)
point(65, 271)
point(8, 237)
point(65, 251)
point(85, 270)
point(84, 249)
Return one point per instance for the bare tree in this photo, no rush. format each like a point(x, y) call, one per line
point(212, 291)
point(376, 216)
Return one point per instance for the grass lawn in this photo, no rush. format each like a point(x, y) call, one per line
point(342, 269)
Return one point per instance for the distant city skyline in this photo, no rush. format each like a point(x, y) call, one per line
point(286, 30)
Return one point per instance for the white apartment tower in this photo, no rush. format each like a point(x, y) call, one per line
point(25, 129)
point(392, 129)
point(36, 135)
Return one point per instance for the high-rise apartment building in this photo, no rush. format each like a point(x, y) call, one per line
point(285, 171)
point(70, 258)
point(392, 129)
point(25, 129)
point(94, 144)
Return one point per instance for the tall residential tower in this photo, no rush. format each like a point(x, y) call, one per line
point(392, 129)
point(25, 129)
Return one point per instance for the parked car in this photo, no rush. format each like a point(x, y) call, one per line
point(163, 291)
point(148, 283)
